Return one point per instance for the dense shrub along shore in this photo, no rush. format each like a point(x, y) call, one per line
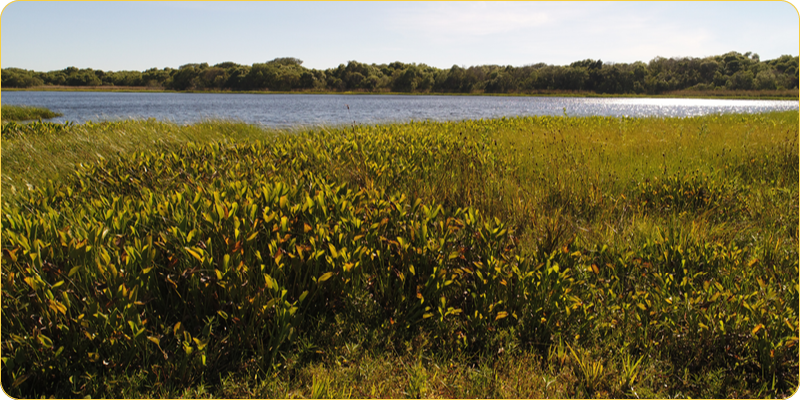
point(728, 72)
point(544, 256)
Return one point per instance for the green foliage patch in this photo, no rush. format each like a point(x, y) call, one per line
point(732, 73)
point(473, 238)
point(23, 113)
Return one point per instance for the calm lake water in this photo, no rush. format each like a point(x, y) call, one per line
point(306, 109)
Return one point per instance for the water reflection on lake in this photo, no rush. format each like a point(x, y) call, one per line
point(308, 109)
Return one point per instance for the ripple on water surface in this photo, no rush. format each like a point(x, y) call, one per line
point(309, 109)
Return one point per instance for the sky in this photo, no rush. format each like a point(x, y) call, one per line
point(113, 36)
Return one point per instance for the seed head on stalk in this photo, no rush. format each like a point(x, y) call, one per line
point(348, 113)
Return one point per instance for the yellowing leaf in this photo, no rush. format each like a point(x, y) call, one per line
point(44, 340)
point(501, 315)
point(58, 307)
point(270, 283)
point(194, 254)
point(332, 248)
point(756, 329)
point(201, 344)
point(325, 277)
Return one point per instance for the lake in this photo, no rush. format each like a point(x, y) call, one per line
point(280, 110)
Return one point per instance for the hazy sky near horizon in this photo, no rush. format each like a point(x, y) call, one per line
point(115, 36)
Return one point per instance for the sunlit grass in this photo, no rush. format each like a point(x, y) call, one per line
point(23, 113)
point(48, 151)
point(518, 257)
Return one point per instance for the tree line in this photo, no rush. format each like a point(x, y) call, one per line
point(732, 71)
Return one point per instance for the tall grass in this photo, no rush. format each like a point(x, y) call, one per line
point(23, 113)
point(646, 256)
point(37, 152)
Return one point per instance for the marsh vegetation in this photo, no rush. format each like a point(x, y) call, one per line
point(25, 113)
point(518, 257)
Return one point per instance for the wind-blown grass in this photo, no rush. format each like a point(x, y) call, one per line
point(37, 152)
point(23, 113)
point(521, 257)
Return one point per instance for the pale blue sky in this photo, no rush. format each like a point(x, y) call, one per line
point(116, 36)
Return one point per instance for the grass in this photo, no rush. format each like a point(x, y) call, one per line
point(520, 375)
point(740, 94)
point(36, 152)
point(517, 257)
point(23, 113)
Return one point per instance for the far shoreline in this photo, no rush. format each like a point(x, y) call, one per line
point(715, 94)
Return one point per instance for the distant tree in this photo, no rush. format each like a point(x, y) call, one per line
point(185, 78)
point(155, 77)
point(85, 77)
point(122, 78)
point(353, 80)
point(286, 61)
point(306, 80)
point(765, 80)
point(732, 67)
point(227, 65)
point(454, 79)
point(261, 76)
point(741, 80)
point(213, 77)
point(20, 78)
point(500, 81)
point(425, 81)
point(55, 78)
point(731, 70)
point(406, 81)
point(334, 83)
point(397, 65)
point(237, 77)
point(707, 70)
